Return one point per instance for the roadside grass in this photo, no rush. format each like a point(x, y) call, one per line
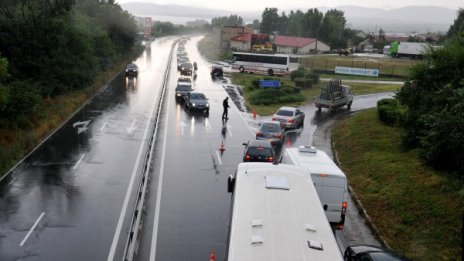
point(17, 143)
point(416, 209)
point(245, 80)
point(386, 66)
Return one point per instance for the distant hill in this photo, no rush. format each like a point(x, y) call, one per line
point(411, 19)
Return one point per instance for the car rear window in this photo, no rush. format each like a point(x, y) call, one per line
point(184, 87)
point(270, 127)
point(260, 151)
point(285, 113)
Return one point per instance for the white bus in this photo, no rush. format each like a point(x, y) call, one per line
point(329, 180)
point(272, 64)
point(276, 215)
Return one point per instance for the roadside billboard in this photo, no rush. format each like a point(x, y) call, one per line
point(357, 71)
point(147, 28)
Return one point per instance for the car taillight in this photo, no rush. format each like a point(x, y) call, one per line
point(290, 120)
point(259, 134)
point(273, 118)
point(247, 157)
point(270, 159)
point(344, 206)
point(279, 135)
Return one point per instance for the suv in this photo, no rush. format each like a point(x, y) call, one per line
point(258, 151)
point(131, 70)
point(182, 89)
point(289, 117)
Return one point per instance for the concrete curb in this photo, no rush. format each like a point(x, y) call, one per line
point(357, 202)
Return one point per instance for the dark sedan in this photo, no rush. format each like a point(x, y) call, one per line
point(258, 151)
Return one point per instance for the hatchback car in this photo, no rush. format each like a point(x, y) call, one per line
point(131, 70)
point(196, 101)
point(371, 253)
point(258, 151)
point(289, 117)
point(272, 131)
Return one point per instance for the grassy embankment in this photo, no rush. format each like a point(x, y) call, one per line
point(16, 143)
point(209, 47)
point(309, 94)
point(416, 209)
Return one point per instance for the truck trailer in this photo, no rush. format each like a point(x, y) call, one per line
point(408, 49)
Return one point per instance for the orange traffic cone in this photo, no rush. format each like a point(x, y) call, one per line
point(222, 149)
point(254, 115)
point(212, 256)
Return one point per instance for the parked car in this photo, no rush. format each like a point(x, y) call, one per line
point(371, 253)
point(289, 117)
point(182, 89)
point(216, 71)
point(272, 131)
point(196, 101)
point(131, 70)
point(258, 151)
point(186, 69)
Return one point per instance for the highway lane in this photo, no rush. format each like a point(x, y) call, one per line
point(72, 198)
point(187, 207)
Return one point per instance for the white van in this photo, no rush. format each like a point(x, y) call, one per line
point(276, 215)
point(328, 178)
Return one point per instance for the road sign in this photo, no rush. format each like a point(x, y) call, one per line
point(268, 84)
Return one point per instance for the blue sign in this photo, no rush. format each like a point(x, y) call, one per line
point(268, 84)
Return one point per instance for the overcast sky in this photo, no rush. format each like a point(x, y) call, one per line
point(258, 5)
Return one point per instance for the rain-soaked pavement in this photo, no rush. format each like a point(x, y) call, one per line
point(72, 198)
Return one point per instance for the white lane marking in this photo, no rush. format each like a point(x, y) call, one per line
point(32, 229)
point(132, 127)
point(79, 161)
point(117, 233)
point(182, 125)
point(219, 157)
point(228, 129)
point(104, 125)
point(154, 237)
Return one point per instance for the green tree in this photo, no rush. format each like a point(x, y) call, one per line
point(269, 21)
point(458, 26)
point(313, 22)
point(333, 26)
point(232, 20)
point(435, 105)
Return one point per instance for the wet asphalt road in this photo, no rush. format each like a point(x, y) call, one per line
point(77, 189)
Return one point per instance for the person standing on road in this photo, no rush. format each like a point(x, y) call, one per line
point(195, 67)
point(226, 106)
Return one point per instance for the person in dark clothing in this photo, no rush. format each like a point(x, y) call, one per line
point(195, 67)
point(226, 106)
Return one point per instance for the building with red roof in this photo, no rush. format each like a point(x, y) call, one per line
point(298, 45)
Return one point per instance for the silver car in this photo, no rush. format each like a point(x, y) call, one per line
point(196, 101)
point(289, 117)
point(272, 131)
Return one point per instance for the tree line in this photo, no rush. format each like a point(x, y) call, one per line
point(51, 47)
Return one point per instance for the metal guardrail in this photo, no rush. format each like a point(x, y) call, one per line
point(135, 221)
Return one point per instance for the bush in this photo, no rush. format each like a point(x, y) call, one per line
point(274, 96)
point(303, 83)
point(390, 112)
point(24, 98)
point(313, 76)
point(297, 74)
point(255, 83)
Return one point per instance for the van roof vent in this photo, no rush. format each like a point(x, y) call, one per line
point(315, 245)
point(277, 182)
point(307, 149)
point(310, 228)
point(257, 240)
point(256, 223)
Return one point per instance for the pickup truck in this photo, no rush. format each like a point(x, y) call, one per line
point(334, 95)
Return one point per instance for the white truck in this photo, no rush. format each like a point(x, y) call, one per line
point(328, 178)
point(334, 95)
point(408, 49)
point(276, 215)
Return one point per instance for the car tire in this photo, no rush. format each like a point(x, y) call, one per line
point(241, 69)
point(349, 105)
